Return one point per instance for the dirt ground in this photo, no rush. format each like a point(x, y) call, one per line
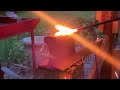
point(23, 70)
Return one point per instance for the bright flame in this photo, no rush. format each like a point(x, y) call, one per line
point(64, 30)
point(112, 60)
point(65, 78)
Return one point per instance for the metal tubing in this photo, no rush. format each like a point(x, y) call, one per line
point(33, 54)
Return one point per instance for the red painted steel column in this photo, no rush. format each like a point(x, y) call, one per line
point(1, 73)
point(33, 54)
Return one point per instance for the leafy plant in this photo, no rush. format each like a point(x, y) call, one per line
point(5, 46)
point(88, 33)
point(18, 53)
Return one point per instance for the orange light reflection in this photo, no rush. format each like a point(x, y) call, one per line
point(112, 60)
point(64, 30)
point(45, 17)
point(84, 42)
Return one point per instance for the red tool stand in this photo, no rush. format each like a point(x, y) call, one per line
point(10, 27)
point(1, 73)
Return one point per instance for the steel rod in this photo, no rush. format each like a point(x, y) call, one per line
point(33, 54)
point(97, 24)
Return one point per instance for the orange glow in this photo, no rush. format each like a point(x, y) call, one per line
point(45, 17)
point(112, 60)
point(65, 78)
point(64, 30)
point(88, 45)
point(84, 42)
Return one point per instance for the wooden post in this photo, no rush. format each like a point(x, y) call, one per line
point(110, 38)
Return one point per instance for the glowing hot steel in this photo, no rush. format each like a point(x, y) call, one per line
point(64, 30)
point(87, 44)
point(80, 39)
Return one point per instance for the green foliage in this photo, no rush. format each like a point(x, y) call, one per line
point(80, 22)
point(39, 30)
point(12, 49)
point(18, 53)
point(5, 46)
point(88, 33)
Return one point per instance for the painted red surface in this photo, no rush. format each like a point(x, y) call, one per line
point(10, 27)
point(1, 73)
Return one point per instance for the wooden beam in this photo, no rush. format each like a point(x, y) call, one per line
point(110, 38)
point(96, 67)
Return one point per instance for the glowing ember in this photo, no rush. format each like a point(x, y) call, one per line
point(65, 78)
point(64, 30)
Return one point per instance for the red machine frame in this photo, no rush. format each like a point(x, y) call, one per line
point(10, 27)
